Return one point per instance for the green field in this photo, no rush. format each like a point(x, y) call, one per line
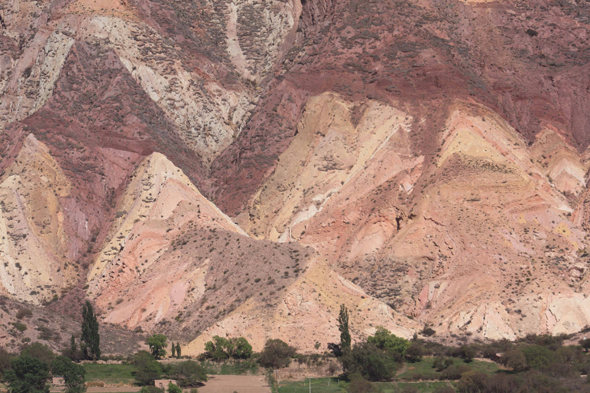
point(323, 385)
point(409, 371)
point(331, 385)
point(109, 373)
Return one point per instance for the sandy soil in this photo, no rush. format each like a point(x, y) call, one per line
point(235, 383)
point(216, 384)
point(98, 389)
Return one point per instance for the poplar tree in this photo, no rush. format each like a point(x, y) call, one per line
point(177, 349)
point(73, 346)
point(345, 340)
point(90, 340)
point(173, 350)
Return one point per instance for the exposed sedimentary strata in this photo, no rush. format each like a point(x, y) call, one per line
point(331, 150)
point(480, 247)
point(433, 155)
point(172, 255)
point(463, 242)
point(258, 34)
point(156, 191)
point(33, 76)
point(35, 259)
point(207, 115)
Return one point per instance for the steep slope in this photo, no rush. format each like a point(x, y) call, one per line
point(462, 241)
point(173, 262)
point(432, 152)
point(204, 82)
point(527, 61)
point(35, 250)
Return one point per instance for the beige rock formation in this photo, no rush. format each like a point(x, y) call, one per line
point(467, 247)
point(35, 254)
point(159, 205)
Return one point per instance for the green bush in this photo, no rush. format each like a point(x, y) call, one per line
point(157, 344)
point(28, 375)
point(39, 351)
point(473, 382)
point(415, 352)
point(455, 372)
point(441, 363)
point(468, 352)
point(276, 354)
point(428, 331)
point(538, 357)
point(73, 374)
point(385, 340)
point(172, 388)
point(148, 369)
point(369, 361)
point(150, 389)
point(225, 348)
point(358, 384)
point(23, 313)
point(514, 359)
point(5, 360)
point(188, 373)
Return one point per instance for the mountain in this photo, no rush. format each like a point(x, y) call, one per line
point(218, 167)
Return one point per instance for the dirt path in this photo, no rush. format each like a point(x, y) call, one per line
point(215, 384)
point(98, 389)
point(235, 383)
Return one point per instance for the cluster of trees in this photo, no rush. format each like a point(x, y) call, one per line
point(375, 359)
point(228, 348)
point(30, 371)
point(187, 373)
point(534, 363)
point(379, 357)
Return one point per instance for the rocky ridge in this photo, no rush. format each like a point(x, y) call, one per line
point(424, 162)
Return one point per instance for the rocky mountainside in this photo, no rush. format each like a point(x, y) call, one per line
point(235, 167)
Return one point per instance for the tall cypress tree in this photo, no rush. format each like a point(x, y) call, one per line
point(177, 350)
point(173, 350)
point(90, 340)
point(345, 339)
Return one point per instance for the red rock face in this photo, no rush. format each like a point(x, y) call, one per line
point(525, 60)
point(355, 127)
point(98, 128)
